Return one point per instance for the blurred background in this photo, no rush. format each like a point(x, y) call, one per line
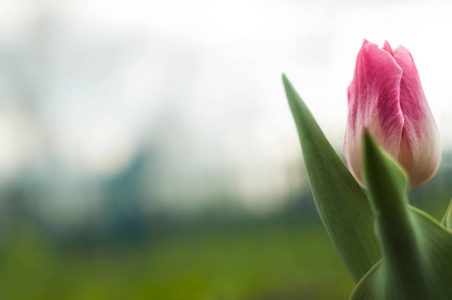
point(147, 150)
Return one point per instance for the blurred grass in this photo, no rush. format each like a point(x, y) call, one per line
point(289, 256)
point(265, 260)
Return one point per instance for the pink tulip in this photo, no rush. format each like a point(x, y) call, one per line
point(386, 98)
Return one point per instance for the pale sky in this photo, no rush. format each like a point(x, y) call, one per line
point(203, 80)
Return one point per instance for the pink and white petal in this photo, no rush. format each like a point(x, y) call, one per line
point(373, 100)
point(388, 48)
point(420, 129)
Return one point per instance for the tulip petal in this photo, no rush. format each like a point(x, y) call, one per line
point(374, 103)
point(388, 48)
point(420, 131)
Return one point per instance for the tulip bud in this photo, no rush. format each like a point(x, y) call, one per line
point(386, 98)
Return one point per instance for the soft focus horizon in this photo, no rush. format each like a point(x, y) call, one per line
point(115, 112)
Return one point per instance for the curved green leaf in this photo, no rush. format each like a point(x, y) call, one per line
point(447, 219)
point(340, 201)
point(446, 214)
point(416, 250)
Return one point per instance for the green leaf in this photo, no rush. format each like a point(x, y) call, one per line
point(447, 219)
point(416, 250)
point(340, 201)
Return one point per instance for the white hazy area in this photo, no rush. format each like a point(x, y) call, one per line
point(88, 85)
